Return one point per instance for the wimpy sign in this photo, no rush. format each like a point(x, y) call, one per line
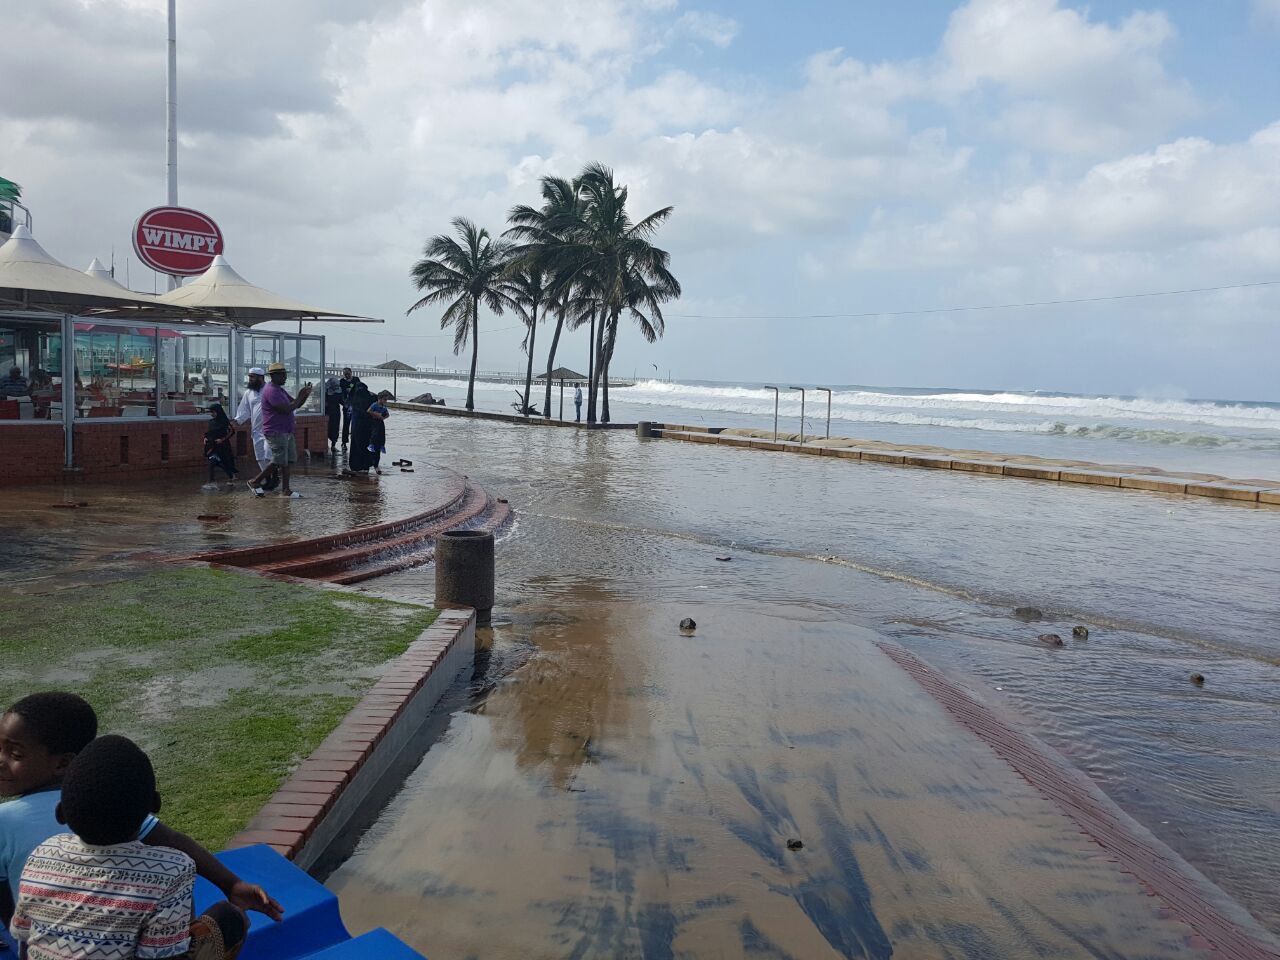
point(177, 240)
point(180, 240)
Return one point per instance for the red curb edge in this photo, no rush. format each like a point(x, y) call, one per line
point(1191, 896)
point(306, 799)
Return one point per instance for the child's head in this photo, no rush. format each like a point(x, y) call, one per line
point(108, 791)
point(39, 737)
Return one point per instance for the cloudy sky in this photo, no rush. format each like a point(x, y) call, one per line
point(823, 157)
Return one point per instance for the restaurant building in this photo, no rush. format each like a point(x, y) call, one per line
point(112, 384)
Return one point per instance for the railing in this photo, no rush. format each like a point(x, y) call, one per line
point(484, 376)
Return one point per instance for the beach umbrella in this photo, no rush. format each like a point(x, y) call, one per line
point(562, 374)
point(223, 292)
point(395, 366)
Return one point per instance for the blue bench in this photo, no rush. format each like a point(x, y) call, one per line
point(312, 926)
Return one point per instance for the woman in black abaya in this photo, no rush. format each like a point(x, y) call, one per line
point(359, 460)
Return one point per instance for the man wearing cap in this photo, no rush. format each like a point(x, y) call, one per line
point(278, 423)
point(249, 412)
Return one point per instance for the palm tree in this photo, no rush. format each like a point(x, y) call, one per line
point(611, 260)
point(467, 273)
point(529, 290)
point(599, 263)
point(538, 232)
point(643, 296)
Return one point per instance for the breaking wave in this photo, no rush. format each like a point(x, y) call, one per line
point(1198, 423)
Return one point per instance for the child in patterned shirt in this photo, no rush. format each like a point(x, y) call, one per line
point(39, 737)
point(99, 893)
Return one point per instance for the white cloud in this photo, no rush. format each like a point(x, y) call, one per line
point(712, 28)
point(1267, 11)
point(1189, 191)
point(1037, 73)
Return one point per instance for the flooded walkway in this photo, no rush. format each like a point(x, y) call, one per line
point(69, 531)
point(611, 788)
point(632, 792)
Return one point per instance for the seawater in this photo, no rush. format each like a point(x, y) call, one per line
point(1230, 437)
point(610, 529)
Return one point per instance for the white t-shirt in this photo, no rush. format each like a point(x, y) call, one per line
point(250, 411)
point(577, 394)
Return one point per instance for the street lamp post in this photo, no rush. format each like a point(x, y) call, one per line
point(801, 389)
point(827, 391)
point(775, 411)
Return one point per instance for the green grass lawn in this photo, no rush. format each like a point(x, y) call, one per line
point(228, 681)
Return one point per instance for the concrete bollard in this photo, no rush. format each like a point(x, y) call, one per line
point(644, 429)
point(464, 571)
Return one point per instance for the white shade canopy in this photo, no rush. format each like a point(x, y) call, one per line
point(98, 269)
point(31, 279)
point(222, 291)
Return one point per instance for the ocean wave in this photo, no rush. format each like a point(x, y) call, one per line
point(1208, 424)
point(981, 411)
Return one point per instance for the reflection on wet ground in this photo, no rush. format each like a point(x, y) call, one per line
point(632, 792)
point(629, 792)
point(70, 532)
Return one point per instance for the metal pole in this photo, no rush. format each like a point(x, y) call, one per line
point(171, 118)
point(775, 411)
point(801, 389)
point(827, 390)
point(68, 392)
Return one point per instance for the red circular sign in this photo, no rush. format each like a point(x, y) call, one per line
point(176, 240)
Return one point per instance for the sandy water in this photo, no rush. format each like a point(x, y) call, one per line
point(615, 789)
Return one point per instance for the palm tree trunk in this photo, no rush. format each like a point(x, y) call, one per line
point(608, 362)
point(475, 354)
point(591, 371)
point(551, 360)
point(599, 348)
point(528, 373)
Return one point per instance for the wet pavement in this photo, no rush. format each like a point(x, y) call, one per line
point(631, 792)
point(612, 788)
point(73, 531)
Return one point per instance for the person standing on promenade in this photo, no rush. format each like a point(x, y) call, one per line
point(333, 409)
point(250, 412)
point(577, 403)
point(345, 385)
point(362, 457)
point(217, 445)
point(278, 409)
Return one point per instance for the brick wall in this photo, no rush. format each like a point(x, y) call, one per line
point(30, 452)
point(114, 447)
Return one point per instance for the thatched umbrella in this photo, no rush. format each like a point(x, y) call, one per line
point(562, 374)
point(395, 366)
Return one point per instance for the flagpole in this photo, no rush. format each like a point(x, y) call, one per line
point(171, 119)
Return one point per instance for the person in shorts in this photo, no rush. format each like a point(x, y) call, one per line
point(98, 891)
point(278, 409)
point(249, 413)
